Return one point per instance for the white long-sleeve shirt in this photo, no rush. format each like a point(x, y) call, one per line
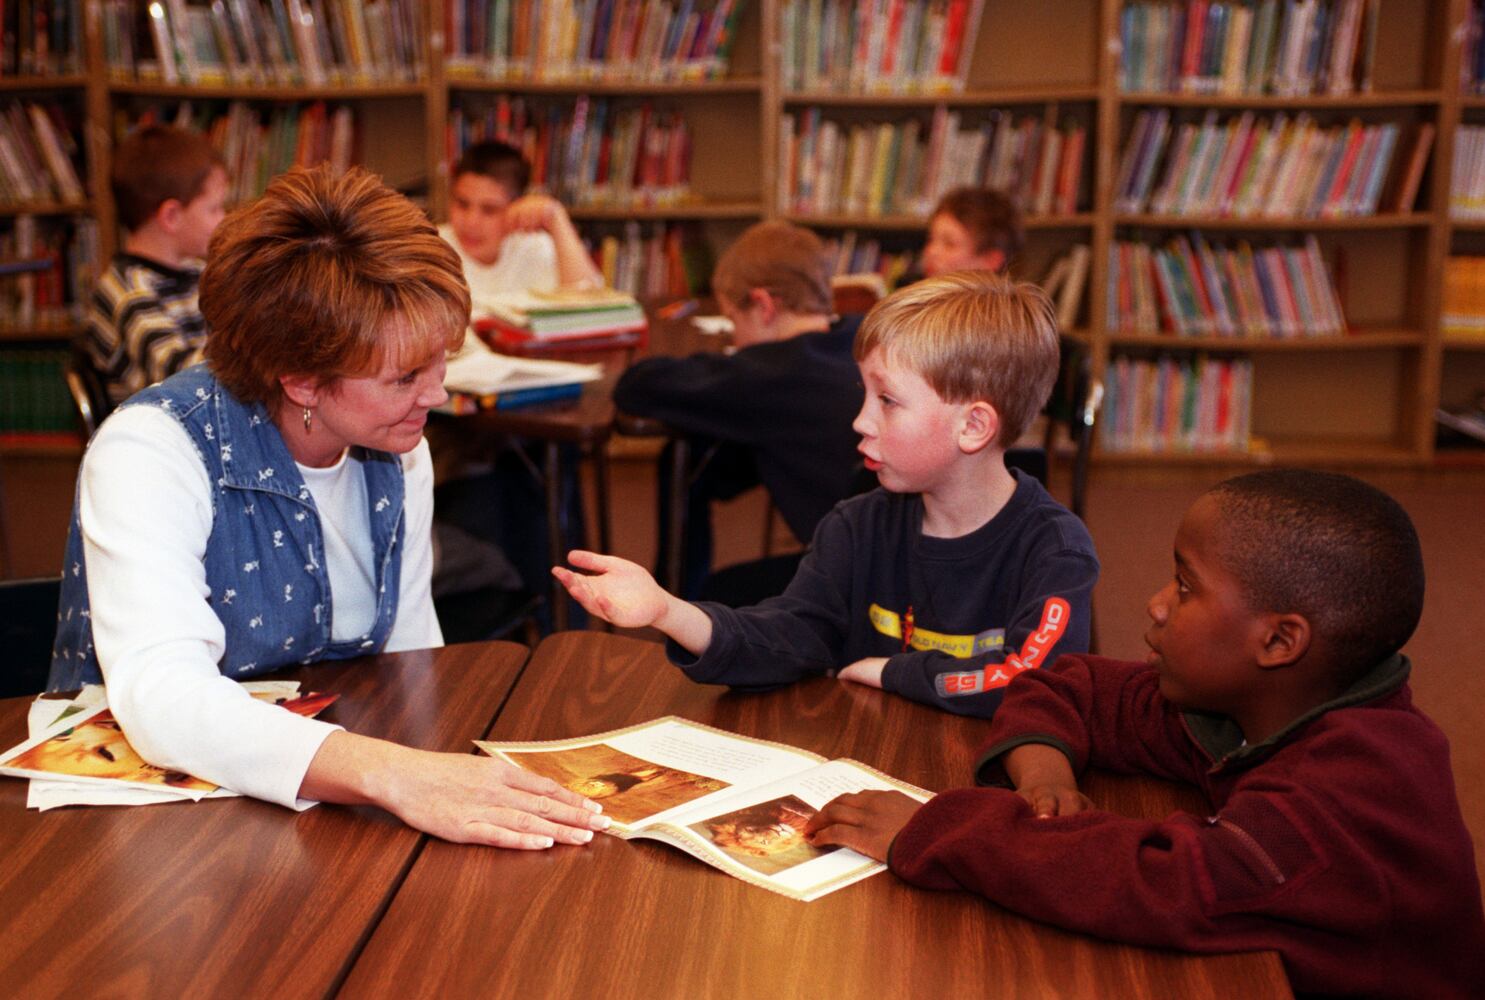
point(146, 514)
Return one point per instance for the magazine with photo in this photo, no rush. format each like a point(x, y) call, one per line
point(88, 746)
point(737, 803)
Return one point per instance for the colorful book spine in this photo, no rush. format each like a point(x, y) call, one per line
point(1171, 404)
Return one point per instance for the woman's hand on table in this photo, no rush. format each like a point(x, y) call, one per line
point(462, 798)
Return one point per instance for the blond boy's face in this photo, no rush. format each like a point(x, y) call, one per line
point(909, 435)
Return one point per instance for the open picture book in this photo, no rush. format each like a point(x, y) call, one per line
point(737, 803)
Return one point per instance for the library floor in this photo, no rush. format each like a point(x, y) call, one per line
point(1132, 514)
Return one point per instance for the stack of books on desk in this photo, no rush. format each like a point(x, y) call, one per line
point(478, 379)
point(564, 320)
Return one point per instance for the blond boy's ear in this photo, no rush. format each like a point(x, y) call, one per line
point(979, 427)
point(1286, 639)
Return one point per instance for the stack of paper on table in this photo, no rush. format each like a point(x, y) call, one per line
point(565, 314)
point(478, 378)
point(737, 803)
point(77, 755)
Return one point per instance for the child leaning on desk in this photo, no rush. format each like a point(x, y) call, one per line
point(1274, 684)
point(949, 580)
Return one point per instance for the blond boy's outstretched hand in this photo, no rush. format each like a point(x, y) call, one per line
point(624, 594)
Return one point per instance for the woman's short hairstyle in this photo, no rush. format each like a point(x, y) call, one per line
point(971, 335)
point(989, 216)
point(499, 161)
point(155, 164)
point(327, 275)
point(782, 259)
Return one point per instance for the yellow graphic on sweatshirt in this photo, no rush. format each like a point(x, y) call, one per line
point(889, 623)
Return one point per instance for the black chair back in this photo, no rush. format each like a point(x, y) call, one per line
point(28, 624)
point(89, 394)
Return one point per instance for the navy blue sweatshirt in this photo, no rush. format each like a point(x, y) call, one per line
point(1012, 595)
point(790, 401)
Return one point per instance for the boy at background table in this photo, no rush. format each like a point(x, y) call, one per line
point(1275, 685)
point(144, 318)
point(955, 576)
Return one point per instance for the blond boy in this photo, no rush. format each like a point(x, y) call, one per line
point(954, 577)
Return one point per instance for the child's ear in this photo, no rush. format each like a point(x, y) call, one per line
point(301, 390)
point(994, 260)
point(1286, 639)
point(763, 300)
point(167, 216)
point(980, 427)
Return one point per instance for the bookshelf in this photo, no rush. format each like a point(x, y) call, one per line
point(1366, 396)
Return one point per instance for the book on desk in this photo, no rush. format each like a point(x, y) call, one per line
point(566, 320)
point(479, 379)
point(737, 803)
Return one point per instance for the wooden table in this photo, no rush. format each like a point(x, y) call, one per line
point(230, 897)
point(627, 919)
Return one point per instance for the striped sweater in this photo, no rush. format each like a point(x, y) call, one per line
point(144, 323)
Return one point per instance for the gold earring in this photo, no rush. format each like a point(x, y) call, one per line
point(309, 418)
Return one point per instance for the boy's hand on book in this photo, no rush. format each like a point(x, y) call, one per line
point(867, 670)
point(614, 589)
point(866, 822)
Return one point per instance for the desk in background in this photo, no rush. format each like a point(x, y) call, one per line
point(230, 897)
point(618, 919)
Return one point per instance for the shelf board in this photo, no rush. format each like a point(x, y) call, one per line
point(1387, 220)
point(613, 88)
point(1456, 343)
point(71, 81)
point(41, 331)
point(46, 207)
point(1009, 95)
point(1373, 99)
point(696, 210)
point(1319, 452)
point(917, 223)
point(1467, 225)
point(1472, 101)
point(1358, 340)
point(271, 92)
point(41, 444)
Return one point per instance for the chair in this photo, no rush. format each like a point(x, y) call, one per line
point(488, 613)
point(28, 624)
point(89, 394)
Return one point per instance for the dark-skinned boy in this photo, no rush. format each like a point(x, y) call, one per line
point(1274, 685)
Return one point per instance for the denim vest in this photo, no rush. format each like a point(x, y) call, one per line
point(265, 554)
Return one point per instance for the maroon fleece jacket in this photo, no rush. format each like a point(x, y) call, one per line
point(1337, 843)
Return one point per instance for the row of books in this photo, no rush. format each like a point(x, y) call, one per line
point(661, 260)
point(37, 150)
point(40, 38)
point(33, 393)
point(1291, 48)
point(1464, 297)
point(264, 42)
point(1277, 167)
point(1467, 179)
point(1191, 288)
point(67, 249)
point(852, 253)
point(259, 143)
point(589, 40)
point(1472, 55)
point(593, 152)
point(1177, 404)
point(880, 46)
point(898, 168)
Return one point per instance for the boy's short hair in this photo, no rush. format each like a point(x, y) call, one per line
point(972, 335)
point(311, 278)
point(785, 260)
point(155, 164)
point(499, 161)
point(1330, 547)
point(990, 216)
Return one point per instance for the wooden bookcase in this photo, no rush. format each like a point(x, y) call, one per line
point(1365, 398)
